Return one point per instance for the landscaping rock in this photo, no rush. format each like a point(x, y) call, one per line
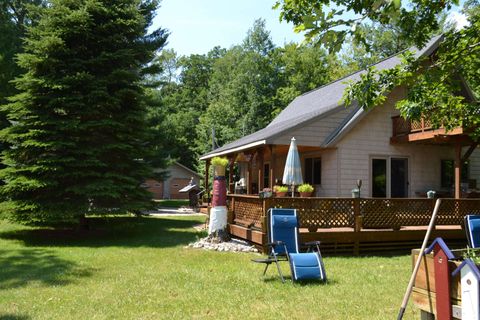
point(234, 245)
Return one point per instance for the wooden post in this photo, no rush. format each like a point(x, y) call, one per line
point(260, 170)
point(458, 170)
point(249, 175)
point(231, 184)
point(357, 215)
point(358, 224)
point(265, 206)
point(231, 213)
point(207, 172)
point(272, 166)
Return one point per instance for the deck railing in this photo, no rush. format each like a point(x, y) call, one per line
point(349, 214)
point(402, 126)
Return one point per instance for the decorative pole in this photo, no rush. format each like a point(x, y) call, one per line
point(218, 212)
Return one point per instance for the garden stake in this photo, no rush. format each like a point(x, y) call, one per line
point(419, 260)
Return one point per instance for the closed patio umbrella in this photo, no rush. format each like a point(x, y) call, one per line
point(292, 174)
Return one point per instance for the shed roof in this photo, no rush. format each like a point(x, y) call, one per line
point(314, 105)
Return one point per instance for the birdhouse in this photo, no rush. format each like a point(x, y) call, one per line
point(441, 255)
point(470, 284)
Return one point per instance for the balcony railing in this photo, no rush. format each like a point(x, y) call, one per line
point(402, 126)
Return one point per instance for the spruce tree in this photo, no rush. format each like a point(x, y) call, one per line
point(78, 133)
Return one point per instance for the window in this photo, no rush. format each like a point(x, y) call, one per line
point(447, 174)
point(313, 171)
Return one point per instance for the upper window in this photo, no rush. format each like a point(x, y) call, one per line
point(313, 170)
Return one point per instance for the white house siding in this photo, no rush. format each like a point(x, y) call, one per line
point(475, 166)
point(315, 133)
point(370, 137)
point(329, 186)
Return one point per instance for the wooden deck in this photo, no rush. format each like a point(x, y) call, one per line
point(346, 225)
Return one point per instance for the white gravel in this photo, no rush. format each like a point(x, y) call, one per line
point(234, 245)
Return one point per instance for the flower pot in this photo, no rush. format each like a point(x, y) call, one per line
point(219, 171)
point(305, 194)
point(280, 194)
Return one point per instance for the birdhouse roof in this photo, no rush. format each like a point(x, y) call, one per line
point(443, 246)
point(471, 264)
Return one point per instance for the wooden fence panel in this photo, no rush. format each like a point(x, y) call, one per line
point(247, 210)
point(317, 213)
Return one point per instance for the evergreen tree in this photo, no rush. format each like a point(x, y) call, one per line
point(78, 123)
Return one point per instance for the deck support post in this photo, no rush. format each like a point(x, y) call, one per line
point(458, 169)
point(358, 224)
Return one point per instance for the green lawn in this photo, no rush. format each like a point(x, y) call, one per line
point(171, 203)
point(139, 268)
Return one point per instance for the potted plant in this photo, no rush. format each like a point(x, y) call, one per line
point(219, 164)
point(280, 191)
point(265, 193)
point(305, 190)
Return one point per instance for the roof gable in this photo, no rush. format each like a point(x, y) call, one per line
point(314, 105)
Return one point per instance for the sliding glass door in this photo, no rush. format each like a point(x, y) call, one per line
point(389, 177)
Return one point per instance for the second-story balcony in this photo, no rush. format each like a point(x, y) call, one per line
point(404, 130)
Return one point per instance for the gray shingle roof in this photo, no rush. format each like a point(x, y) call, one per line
point(314, 104)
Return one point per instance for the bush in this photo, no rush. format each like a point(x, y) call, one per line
point(219, 161)
point(305, 188)
point(280, 188)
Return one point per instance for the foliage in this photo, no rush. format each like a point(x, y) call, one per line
point(149, 255)
point(430, 83)
point(305, 188)
point(78, 134)
point(181, 98)
point(219, 161)
point(331, 22)
point(15, 17)
point(473, 254)
point(280, 189)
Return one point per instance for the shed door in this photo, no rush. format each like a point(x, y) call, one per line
point(175, 185)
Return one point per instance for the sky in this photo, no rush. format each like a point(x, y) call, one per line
point(196, 26)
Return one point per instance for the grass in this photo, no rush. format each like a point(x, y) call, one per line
point(171, 203)
point(139, 268)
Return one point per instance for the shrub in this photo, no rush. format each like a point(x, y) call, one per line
point(280, 188)
point(219, 161)
point(305, 188)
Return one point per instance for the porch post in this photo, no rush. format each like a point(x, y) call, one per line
point(458, 169)
point(231, 184)
point(260, 170)
point(207, 172)
point(249, 176)
point(272, 166)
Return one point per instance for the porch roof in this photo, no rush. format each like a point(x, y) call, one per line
point(313, 105)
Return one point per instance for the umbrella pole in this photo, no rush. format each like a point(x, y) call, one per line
point(293, 189)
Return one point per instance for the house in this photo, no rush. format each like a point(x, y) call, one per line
point(178, 176)
point(340, 145)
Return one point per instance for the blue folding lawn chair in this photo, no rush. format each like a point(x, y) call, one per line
point(472, 227)
point(283, 246)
